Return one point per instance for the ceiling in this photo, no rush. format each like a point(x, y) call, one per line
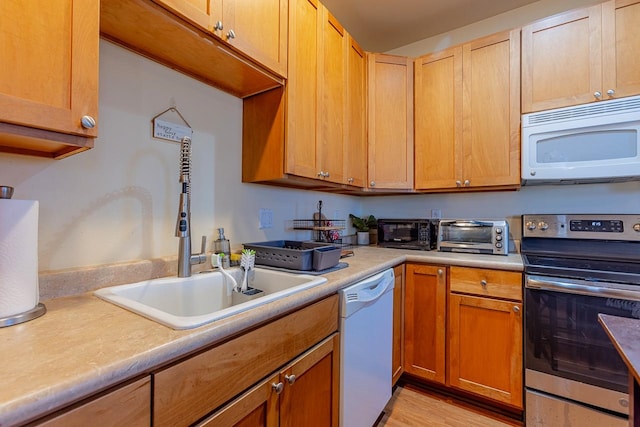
point(382, 25)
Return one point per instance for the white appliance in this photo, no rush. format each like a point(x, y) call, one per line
point(366, 331)
point(597, 142)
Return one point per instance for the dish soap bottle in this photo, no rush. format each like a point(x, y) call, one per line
point(222, 245)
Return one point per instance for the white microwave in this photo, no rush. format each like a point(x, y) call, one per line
point(598, 142)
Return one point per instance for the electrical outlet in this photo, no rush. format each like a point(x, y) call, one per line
point(436, 213)
point(266, 218)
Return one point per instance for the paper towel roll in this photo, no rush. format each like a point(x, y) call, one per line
point(19, 290)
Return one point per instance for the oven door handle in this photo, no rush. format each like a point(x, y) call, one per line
point(575, 287)
point(470, 224)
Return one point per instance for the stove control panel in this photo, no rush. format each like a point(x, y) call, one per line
point(587, 226)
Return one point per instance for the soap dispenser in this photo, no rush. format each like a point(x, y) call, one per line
point(222, 245)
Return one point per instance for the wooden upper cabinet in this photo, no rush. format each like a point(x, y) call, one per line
point(257, 28)
point(491, 111)
point(390, 121)
point(620, 45)
point(425, 306)
point(49, 77)
point(581, 56)
point(333, 99)
point(467, 117)
point(305, 26)
point(438, 124)
point(355, 143)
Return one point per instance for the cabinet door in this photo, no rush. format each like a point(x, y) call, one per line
point(355, 142)
point(129, 405)
point(49, 77)
point(390, 107)
point(438, 124)
point(562, 60)
point(198, 12)
point(398, 321)
point(491, 111)
point(257, 407)
point(305, 27)
point(620, 45)
point(311, 392)
point(485, 347)
point(424, 321)
point(257, 28)
point(332, 78)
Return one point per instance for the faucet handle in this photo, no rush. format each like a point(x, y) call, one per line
point(203, 248)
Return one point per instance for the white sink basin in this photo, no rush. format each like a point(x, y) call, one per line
point(185, 303)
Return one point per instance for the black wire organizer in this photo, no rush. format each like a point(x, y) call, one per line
point(323, 229)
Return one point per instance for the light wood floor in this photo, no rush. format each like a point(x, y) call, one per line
point(410, 406)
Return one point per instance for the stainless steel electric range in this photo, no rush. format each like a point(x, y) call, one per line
point(577, 266)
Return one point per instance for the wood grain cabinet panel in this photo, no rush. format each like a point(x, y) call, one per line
point(41, 111)
point(485, 334)
point(581, 56)
point(256, 28)
point(424, 321)
point(467, 117)
point(129, 405)
point(312, 134)
point(303, 393)
point(397, 361)
point(390, 122)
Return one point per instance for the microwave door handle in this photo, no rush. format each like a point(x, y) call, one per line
point(471, 224)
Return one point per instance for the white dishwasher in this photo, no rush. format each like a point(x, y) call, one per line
point(366, 340)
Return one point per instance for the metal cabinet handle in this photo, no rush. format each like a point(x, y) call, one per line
point(218, 26)
point(290, 379)
point(458, 184)
point(483, 283)
point(440, 272)
point(326, 174)
point(466, 183)
point(350, 180)
point(597, 95)
point(516, 309)
point(611, 92)
point(231, 34)
point(277, 387)
point(321, 174)
point(88, 122)
point(372, 184)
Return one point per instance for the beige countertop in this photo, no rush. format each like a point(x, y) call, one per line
point(84, 345)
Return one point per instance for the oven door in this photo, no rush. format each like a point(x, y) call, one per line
point(567, 352)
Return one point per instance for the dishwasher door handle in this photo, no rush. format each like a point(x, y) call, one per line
point(374, 291)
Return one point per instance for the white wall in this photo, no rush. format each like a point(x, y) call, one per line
point(118, 201)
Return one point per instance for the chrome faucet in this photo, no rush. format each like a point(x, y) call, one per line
point(183, 224)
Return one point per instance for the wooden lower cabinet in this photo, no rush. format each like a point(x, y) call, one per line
point(129, 405)
point(424, 321)
point(304, 393)
point(398, 324)
point(463, 330)
point(190, 390)
point(484, 354)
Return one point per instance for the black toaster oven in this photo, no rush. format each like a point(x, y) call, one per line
point(418, 234)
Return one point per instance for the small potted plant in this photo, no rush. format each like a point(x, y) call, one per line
point(363, 227)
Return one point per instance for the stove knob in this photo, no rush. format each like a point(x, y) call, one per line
point(530, 225)
point(543, 225)
point(636, 227)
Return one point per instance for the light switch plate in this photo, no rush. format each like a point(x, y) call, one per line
point(266, 218)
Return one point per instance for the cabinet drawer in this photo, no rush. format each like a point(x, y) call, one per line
point(126, 406)
point(488, 283)
point(187, 391)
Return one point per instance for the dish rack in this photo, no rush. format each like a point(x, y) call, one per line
point(323, 230)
